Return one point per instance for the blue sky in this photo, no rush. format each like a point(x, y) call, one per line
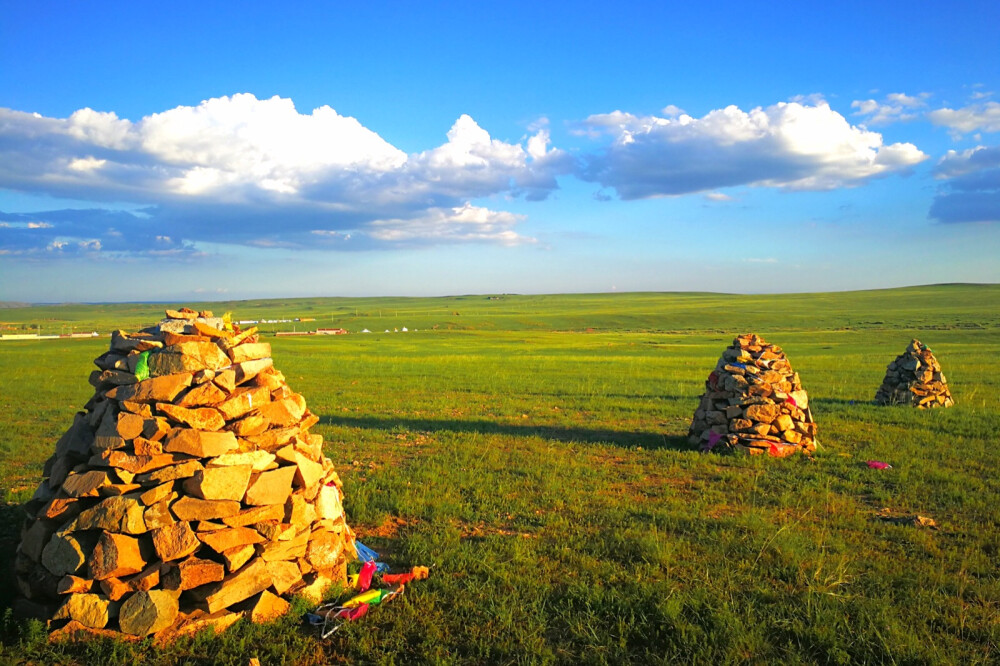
point(241, 150)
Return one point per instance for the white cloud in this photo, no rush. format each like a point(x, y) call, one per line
point(461, 224)
point(895, 107)
point(787, 145)
point(718, 196)
point(244, 170)
point(983, 117)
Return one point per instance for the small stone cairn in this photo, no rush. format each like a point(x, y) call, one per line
point(189, 493)
point(754, 402)
point(915, 378)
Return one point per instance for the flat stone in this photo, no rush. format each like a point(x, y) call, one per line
point(275, 438)
point(286, 454)
point(115, 588)
point(115, 514)
point(156, 428)
point(763, 413)
point(59, 469)
point(198, 620)
point(226, 380)
point(181, 470)
point(249, 425)
point(271, 487)
point(154, 389)
point(187, 357)
point(242, 401)
point(192, 508)
point(783, 422)
point(227, 539)
point(147, 579)
point(36, 537)
point(184, 313)
point(77, 439)
point(273, 530)
point(257, 460)
point(199, 418)
point(236, 587)
point(86, 484)
point(116, 489)
point(176, 541)
point(791, 436)
point(219, 483)
point(237, 557)
point(286, 550)
point(299, 510)
point(158, 515)
point(64, 554)
point(136, 464)
point(285, 576)
point(70, 584)
point(266, 606)
point(255, 515)
point(250, 351)
point(324, 550)
point(210, 331)
point(146, 447)
point(107, 436)
point(191, 573)
point(147, 612)
point(281, 413)
point(90, 610)
point(115, 555)
point(199, 443)
point(248, 370)
point(138, 408)
point(205, 394)
point(316, 590)
point(308, 473)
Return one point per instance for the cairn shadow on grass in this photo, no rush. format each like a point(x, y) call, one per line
point(11, 518)
point(646, 440)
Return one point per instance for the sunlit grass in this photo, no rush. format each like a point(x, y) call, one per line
point(543, 471)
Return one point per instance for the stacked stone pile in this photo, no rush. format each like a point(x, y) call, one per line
point(188, 493)
point(915, 378)
point(754, 402)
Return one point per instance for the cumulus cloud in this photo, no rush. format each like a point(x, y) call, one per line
point(971, 186)
point(248, 171)
point(461, 224)
point(982, 117)
point(789, 146)
point(895, 107)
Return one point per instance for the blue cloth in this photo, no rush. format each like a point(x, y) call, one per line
point(365, 554)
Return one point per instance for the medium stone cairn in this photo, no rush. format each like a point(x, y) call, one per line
point(754, 402)
point(189, 493)
point(915, 378)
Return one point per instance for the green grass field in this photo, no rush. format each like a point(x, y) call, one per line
point(532, 449)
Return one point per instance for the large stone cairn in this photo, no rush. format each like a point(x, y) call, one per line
point(915, 378)
point(188, 493)
point(754, 402)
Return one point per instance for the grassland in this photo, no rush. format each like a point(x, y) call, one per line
point(531, 449)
